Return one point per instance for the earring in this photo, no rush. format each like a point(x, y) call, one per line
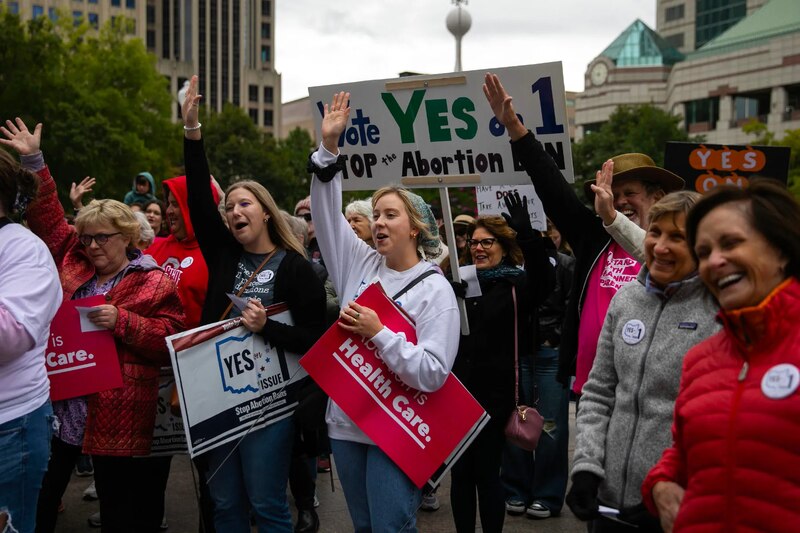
point(413, 235)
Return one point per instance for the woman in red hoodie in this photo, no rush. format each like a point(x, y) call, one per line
point(735, 461)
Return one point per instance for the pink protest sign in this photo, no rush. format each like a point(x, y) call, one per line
point(80, 360)
point(422, 432)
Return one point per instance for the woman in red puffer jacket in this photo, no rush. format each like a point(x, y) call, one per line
point(735, 461)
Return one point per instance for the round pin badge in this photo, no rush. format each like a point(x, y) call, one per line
point(780, 381)
point(265, 276)
point(187, 262)
point(633, 331)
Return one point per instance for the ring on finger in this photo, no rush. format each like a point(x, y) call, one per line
point(358, 315)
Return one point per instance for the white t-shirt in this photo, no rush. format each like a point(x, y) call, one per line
point(30, 292)
point(353, 265)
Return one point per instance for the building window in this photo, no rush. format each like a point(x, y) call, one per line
point(266, 30)
point(92, 1)
point(94, 20)
point(268, 94)
point(751, 106)
point(52, 14)
point(116, 3)
point(151, 39)
point(76, 17)
point(130, 4)
point(151, 14)
point(675, 41)
point(701, 115)
point(253, 115)
point(268, 117)
point(13, 8)
point(252, 91)
point(674, 13)
point(713, 17)
point(792, 111)
point(38, 11)
point(266, 53)
point(266, 8)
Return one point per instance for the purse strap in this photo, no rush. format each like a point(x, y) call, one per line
point(246, 283)
point(413, 282)
point(516, 347)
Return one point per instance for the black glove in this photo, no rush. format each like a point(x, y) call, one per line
point(638, 515)
point(518, 217)
point(582, 496)
point(459, 288)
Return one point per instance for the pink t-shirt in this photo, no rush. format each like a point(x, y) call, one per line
point(615, 268)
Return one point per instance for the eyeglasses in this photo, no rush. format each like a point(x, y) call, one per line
point(305, 216)
point(101, 238)
point(485, 243)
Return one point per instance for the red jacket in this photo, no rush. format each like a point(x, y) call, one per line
point(120, 421)
point(182, 259)
point(736, 430)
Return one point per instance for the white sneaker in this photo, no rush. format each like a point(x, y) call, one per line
point(515, 507)
point(316, 501)
point(430, 502)
point(90, 494)
point(537, 510)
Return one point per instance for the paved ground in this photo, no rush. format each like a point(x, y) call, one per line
point(182, 507)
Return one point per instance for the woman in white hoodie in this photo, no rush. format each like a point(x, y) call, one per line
point(380, 497)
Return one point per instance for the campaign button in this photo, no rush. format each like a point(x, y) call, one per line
point(265, 276)
point(780, 381)
point(633, 331)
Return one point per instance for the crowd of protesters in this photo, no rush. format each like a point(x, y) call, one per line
point(659, 308)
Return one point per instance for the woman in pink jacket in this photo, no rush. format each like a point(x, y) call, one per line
point(735, 461)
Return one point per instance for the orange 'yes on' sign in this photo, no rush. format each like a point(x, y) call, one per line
point(707, 166)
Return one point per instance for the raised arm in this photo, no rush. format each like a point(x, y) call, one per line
point(76, 192)
point(339, 245)
point(559, 200)
point(622, 229)
point(540, 271)
point(209, 228)
point(45, 215)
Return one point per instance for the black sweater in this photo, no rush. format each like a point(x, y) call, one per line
point(579, 226)
point(296, 284)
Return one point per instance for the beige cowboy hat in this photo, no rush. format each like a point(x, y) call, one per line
point(640, 167)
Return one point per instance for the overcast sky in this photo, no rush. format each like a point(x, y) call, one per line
point(321, 43)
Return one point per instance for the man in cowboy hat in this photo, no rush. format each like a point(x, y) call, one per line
point(602, 265)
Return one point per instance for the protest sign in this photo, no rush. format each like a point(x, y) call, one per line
point(231, 381)
point(439, 131)
point(169, 437)
point(424, 433)
point(490, 202)
point(80, 359)
point(705, 166)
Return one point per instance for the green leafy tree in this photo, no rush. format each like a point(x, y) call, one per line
point(104, 106)
point(791, 139)
point(644, 129)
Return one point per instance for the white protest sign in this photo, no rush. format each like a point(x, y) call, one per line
point(439, 131)
point(231, 381)
point(490, 202)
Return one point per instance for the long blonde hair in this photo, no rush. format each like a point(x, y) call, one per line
point(279, 231)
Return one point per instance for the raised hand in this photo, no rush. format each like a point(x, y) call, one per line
point(20, 138)
point(603, 195)
point(334, 121)
point(76, 192)
point(190, 109)
point(518, 217)
point(500, 102)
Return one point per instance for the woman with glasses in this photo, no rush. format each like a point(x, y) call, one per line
point(499, 323)
point(380, 497)
point(257, 256)
point(98, 256)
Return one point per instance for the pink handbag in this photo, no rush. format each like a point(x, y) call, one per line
point(524, 426)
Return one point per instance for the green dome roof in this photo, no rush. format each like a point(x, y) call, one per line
point(640, 46)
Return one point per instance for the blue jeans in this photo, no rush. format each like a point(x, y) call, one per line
point(254, 476)
point(24, 452)
point(543, 480)
point(380, 497)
